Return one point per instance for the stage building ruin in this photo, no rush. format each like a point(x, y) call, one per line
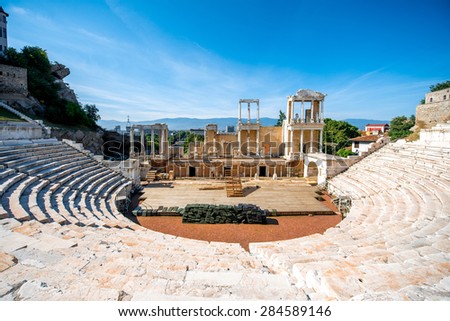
point(293, 149)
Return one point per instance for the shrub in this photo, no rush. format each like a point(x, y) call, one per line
point(344, 153)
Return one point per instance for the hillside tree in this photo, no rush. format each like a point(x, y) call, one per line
point(281, 117)
point(400, 126)
point(440, 86)
point(42, 86)
point(337, 134)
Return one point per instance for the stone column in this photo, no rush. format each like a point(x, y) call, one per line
point(301, 142)
point(291, 142)
point(257, 142)
point(142, 141)
point(302, 117)
point(321, 111)
point(257, 107)
point(311, 141)
point(166, 142)
point(248, 107)
point(131, 142)
point(239, 142)
point(161, 142)
point(248, 139)
point(291, 111)
point(321, 141)
point(223, 148)
point(195, 147)
point(153, 142)
point(239, 112)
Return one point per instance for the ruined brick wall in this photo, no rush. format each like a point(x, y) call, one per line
point(435, 110)
point(437, 96)
point(13, 80)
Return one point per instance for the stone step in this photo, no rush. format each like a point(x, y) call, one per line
point(10, 181)
point(5, 173)
point(15, 204)
point(33, 157)
point(75, 163)
point(32, 169)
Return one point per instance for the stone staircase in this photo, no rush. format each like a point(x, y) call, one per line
point(151, 176)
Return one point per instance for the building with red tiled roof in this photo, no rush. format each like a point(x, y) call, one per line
point(377, 128)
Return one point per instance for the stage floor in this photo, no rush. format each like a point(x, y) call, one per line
point(286, 196)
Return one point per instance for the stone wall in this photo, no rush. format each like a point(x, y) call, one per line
point(19, 130)
point(91, 140)
point(437, 96)
point(435, 110)
point(13, 80)
point(429, 114)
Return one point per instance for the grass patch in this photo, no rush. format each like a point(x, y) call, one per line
point(413, 137)
point(6, 115)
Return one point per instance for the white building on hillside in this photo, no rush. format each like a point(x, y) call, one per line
point(362, 144)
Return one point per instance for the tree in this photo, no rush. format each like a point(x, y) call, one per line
point(42, 86)
point(191, 138)
point(400, 126)
point(41, 83)
point(92, 115)
point(281, 117)
point(440, 86)
point(337, 134)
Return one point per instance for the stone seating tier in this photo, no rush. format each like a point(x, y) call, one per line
point(27, 176)
point(394, 243)
point(397, 227)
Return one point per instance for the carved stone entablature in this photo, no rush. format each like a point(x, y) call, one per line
point(307, 95)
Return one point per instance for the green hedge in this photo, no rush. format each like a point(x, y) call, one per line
point(222, 214)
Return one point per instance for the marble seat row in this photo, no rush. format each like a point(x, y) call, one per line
point(90, 263)
point(394, 243)
point(397, 227)
point(50, 182)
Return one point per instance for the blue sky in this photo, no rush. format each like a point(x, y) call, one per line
point(197, 58)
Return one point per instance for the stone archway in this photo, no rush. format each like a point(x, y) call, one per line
point(316, 166)
point(312, 170)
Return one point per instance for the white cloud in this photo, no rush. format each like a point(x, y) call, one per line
point(18, 11)
point(150, 75)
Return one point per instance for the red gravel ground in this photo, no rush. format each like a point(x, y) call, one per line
point(279, 228)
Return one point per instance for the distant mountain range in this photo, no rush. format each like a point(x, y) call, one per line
point(191, 123)
point(361, 123)
point(185, 123)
